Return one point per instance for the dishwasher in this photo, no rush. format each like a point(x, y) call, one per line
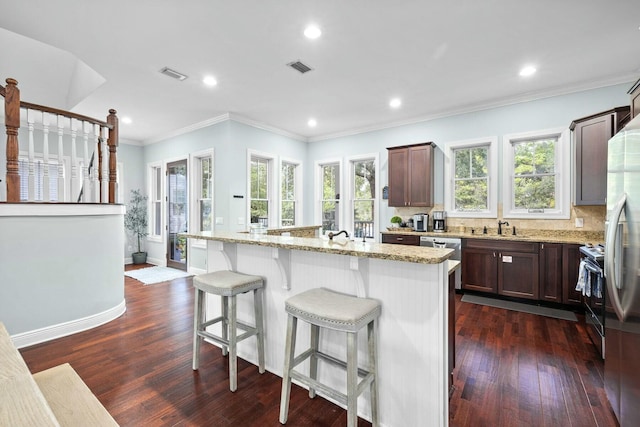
point(449, 243)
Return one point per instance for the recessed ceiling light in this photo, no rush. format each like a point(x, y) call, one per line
point(395, 103)
point(312, 32)
point(312, 123)
point(210, 81)
point(127, 120)
point(527, 71)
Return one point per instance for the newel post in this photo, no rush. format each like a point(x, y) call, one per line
point(12, 123)
point(112, 142)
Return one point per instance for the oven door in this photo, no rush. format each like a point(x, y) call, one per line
point(594, 305)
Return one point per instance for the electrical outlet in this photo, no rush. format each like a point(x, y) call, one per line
point(579, 222)
point(219, 220)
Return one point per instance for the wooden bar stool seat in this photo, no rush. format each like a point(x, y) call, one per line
point(324, 308)
point(227, 284)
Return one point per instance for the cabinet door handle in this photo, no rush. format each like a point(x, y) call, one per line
point(494, 254)
point(542, 246)
point(399, 239)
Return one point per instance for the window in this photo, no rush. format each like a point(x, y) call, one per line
point(329, 196)
point(204, 192)
point(363, 190)
point(155, 201)
point(39, 169)
point(471, 178)
point(259, 191)
point(534, 166)
point(289, 183)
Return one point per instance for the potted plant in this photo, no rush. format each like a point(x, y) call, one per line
point(135, 220)
point(396, 221)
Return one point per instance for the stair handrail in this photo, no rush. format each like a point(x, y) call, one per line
point(13, 104)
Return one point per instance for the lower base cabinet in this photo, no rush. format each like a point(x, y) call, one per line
point(531, 270)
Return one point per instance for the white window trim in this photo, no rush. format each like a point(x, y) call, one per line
point(194, 221)
point(492, 202)
point(317, 215)
point(298, 190)
point(348, 223)
point(150, 190)
point(562, 167)
point(274, 179)
point(66, 162)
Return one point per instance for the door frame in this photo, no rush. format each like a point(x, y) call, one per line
point(170, 261)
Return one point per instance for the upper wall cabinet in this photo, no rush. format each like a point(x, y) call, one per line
point(591, 135)
point(411, 175)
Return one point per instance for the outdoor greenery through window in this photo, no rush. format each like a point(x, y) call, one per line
point(259, 191)
point(330, 196)
point(364, 190)
point(471, 178)
point(205, 203)
point(288, 195)
point(534, 177)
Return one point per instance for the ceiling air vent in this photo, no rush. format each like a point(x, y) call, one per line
point(173, 73)
point(299, 66)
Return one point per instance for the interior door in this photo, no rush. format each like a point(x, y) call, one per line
point(177, 203)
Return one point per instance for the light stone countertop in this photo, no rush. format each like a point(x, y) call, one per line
point(525, 235)
point(404, 253)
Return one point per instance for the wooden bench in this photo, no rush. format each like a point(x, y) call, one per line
point(55, 397)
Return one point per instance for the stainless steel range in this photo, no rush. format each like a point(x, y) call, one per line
point(591, 281)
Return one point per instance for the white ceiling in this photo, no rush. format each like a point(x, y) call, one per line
point(440, 57)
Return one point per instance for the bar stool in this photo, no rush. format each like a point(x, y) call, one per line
point(323, 308)
point(227, 284)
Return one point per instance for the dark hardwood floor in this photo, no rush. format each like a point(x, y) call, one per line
point(519, 369)
point(513, 369)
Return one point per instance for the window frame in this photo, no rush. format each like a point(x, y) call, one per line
point(349, 221)
point(155, 184)
point(39, 158)
point(492, 167)
point(318, 190)
point(297, 177)
point(273, 200)
point(195, 196)
point(562, 174)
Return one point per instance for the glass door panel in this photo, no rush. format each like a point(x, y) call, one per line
point(177, 202)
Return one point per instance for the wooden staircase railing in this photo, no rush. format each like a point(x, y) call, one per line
point(96, 185)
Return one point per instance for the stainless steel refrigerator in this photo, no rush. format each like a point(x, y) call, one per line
point(622, 272)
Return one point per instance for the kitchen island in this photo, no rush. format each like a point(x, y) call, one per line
point(411, 283)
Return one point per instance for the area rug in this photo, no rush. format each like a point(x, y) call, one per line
point(156, 274)
point(524, 308)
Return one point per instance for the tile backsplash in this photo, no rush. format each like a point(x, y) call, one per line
point(592, 216)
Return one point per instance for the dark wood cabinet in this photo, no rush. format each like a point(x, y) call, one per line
point(634, 92)
point(591, 135)
point(551, 257)
point(479, 269)
point(570, 265)
point(401, 239)
point(503, 267)
point(411, 175)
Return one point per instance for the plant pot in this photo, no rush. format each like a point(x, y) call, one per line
point(139, 257)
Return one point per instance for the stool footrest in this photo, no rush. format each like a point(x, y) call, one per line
point(367, 377)
point(250, 331)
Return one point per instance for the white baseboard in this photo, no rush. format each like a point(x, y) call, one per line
point(157, 261)
point(49, 333)
point(197, 271)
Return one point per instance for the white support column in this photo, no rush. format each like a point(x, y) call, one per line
point(62, 193)
point(75, 187)
point(95, 185)
point(31, 180)
point(105, 166)
point(46, 196)
point(86, 184)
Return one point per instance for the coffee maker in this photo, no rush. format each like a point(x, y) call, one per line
point(439, 225)
point(420, 222)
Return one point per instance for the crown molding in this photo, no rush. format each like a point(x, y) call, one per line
point(264, 126)
point(187, 129)
point(503, 102)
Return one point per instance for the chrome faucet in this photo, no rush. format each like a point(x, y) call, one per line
point(500, 224)
point(331, 235)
